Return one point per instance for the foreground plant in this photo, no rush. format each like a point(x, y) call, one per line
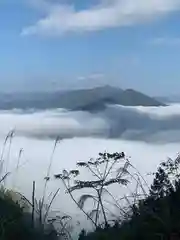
point(156, 216)
point(107, 170)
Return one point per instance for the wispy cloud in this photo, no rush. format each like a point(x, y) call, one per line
point(166, 41)
point(94, 76)
point(62, 17)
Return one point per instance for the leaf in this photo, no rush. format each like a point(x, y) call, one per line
point(82, 164)
point(58, 176)
point(85, 184)
point(83, 199)
point(116, 180)
point(91, 163)
point(61, 176)
point(75, 173)
point(66, 217)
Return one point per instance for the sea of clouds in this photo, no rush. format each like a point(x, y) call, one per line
point(150, 124)
point(148, 135)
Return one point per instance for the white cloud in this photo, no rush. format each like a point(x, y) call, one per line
point(61, 18)
point(35, 158)
point(152, 124)
point(93, 76)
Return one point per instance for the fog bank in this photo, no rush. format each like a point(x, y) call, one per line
point(134, 130)
point(150, 124)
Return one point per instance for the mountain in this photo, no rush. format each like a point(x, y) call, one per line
point(128, 97)
point(164, 100)
point(94, 99)
point(131, 97)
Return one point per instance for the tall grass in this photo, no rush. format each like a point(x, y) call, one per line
point(40, 209)
point(47, 178)
point(17, 167)
point(4, 162)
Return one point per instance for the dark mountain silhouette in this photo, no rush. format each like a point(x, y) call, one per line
point(110, 95)
point(94, 99)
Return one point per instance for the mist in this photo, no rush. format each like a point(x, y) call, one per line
point(147, 135)
point(149, 124)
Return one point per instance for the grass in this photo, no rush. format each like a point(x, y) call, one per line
point(36, 219)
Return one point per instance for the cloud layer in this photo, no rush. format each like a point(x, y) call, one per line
point(61, 18)
point(153, 124)
point(150, 124)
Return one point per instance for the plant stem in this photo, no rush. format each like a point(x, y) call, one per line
point(47, 179)
point(74, 200)
point(49, 206)
point(105, 175)
point(33, 203)
point(100, 201)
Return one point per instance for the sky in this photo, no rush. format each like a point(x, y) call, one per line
point(60, 44)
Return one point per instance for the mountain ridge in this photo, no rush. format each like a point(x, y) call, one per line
point(93, 99)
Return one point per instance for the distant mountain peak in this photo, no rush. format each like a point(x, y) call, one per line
point(104, 88)
point(94, 99)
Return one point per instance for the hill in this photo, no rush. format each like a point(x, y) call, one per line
point(94, 99)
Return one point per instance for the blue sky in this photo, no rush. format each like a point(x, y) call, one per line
point(46, 44)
